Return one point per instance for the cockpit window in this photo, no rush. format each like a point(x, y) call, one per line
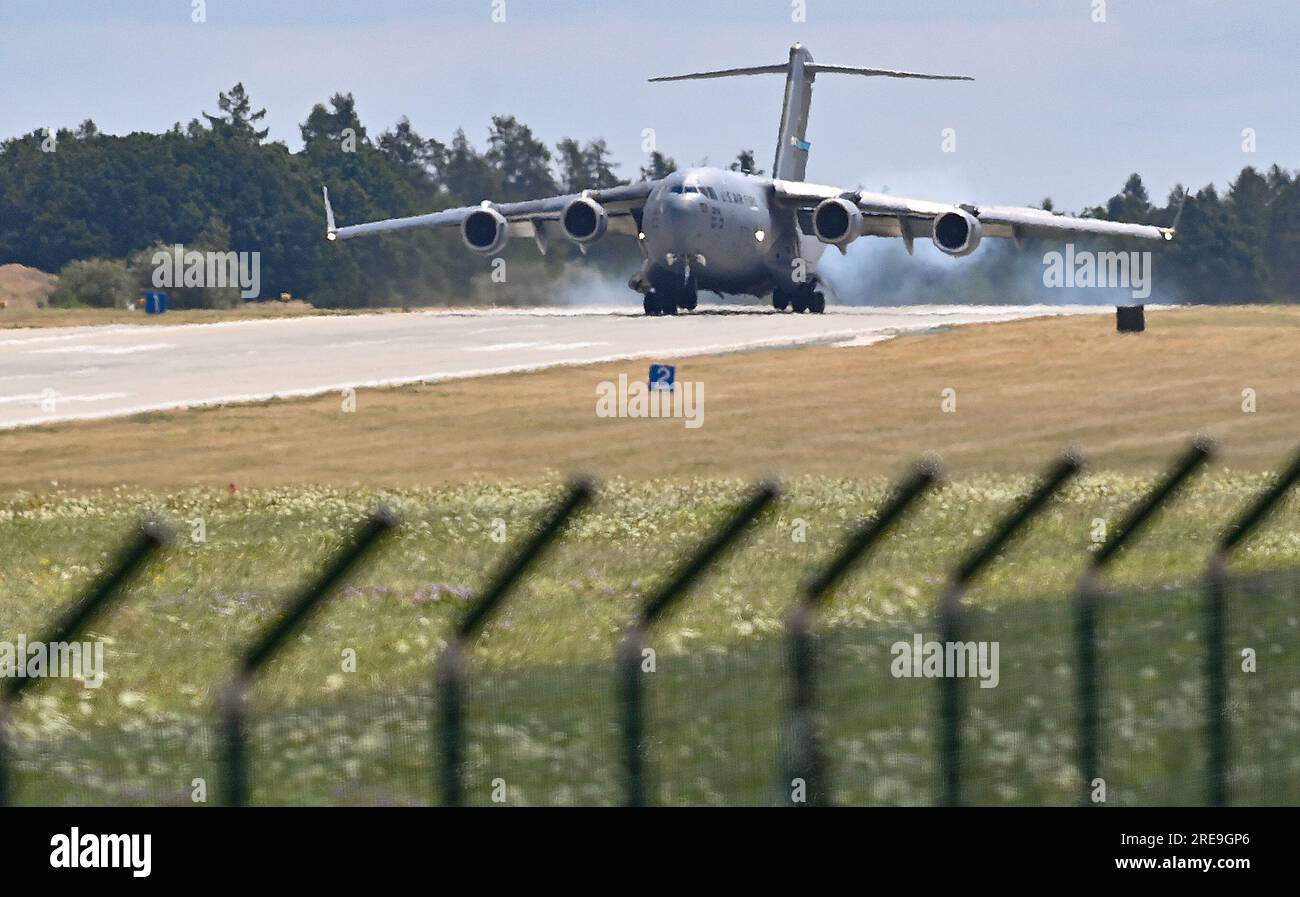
point(692, 189)
point(709, 192)
point(677, 188)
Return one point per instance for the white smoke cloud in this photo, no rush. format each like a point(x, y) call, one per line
point(878, 270)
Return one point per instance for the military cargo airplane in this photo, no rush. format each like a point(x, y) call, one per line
point(734, 233)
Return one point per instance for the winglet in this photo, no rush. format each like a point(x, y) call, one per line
point(331, 232)
point(1172, 229)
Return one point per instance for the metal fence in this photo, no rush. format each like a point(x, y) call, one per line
point(1110, 698)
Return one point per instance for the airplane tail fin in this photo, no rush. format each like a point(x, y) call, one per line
point(792, 143)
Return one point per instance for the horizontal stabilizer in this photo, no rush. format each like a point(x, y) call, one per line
point(818, 67)
point(727, 73)
point(812, 68)
point(800, 71)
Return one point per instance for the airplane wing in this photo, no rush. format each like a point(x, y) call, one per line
point(885, 215)
point(523, 219)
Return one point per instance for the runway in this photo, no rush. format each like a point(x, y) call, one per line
point(84, 373)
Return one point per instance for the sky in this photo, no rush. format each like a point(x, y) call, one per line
point(1062, 106)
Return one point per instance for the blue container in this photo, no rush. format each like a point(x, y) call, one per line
point(155, 303)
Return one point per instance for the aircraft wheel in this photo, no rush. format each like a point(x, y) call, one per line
point(688, 300)
point(817, 303)
point(780, 301)
point(666, 293)
point(650, 304)
point(799, 305)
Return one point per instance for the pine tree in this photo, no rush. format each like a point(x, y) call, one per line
point(239, 121)
point(522, 162)
point(745, 163)
point(660, 167)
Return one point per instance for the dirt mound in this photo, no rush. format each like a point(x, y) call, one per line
point(25, 288)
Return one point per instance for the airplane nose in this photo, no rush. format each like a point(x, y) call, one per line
point(674, 235)
point(677, 205)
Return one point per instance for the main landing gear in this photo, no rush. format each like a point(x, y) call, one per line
point(805, 298)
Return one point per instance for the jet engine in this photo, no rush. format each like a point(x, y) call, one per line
point(485, 231)
point(837, 221)
point(584, 220)
point(957, 232)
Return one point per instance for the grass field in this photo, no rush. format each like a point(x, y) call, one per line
point(543, 693)
point(1023, 391)
point(461, 457)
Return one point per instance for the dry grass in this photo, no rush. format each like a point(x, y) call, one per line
point(23, 289)
point(27, 315)
point(1024, 390)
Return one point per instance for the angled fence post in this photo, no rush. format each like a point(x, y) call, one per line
point(74, 620)
point(1088, 599)
point(234, 699)
point(452, 662)
point(806, 760)
point(1215, 623)
point(951, 614)
point(631, 697)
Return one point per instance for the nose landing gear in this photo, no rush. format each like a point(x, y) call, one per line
point(668, 293)
point(654, 304)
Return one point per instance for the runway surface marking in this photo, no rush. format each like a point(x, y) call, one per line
point(161, 367)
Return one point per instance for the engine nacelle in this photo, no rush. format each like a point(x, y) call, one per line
point(837, 221)
point(957, 232)
point(584, 220)
point(485, 231)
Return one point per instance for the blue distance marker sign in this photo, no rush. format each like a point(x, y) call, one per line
point(663, 376)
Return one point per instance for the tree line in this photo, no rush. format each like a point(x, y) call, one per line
point(95, 207)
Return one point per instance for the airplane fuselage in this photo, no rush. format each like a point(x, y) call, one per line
point(717, 228)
